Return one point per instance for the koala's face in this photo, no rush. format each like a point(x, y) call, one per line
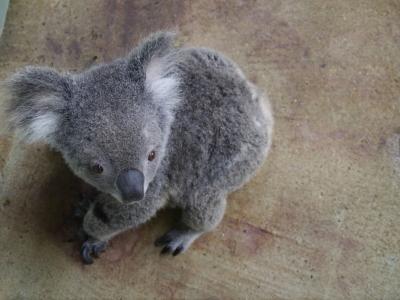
point(111, 123)
point(119, 156)
point(112, 134)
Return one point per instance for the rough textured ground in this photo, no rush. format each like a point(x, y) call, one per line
point(322, 218)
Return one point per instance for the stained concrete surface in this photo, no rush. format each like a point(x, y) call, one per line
point(320, 221)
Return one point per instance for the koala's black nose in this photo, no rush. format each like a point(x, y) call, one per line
point(131, 185)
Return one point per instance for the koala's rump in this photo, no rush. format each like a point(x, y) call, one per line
point(221, 134)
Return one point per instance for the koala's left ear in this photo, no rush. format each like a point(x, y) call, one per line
point(151, 66)
point(35, 99)
point(155, 46)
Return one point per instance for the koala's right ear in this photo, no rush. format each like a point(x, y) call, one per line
point(155, 46)
point(35, 99)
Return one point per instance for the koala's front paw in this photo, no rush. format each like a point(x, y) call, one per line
point(176, 241)
point(92, 248)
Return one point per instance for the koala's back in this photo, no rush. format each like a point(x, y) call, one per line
point(222, 128)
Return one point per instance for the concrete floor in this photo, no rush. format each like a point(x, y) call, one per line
point(322, 218)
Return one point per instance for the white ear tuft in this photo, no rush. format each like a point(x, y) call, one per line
point(163, 85)
point(42, 128)
point(34, 102)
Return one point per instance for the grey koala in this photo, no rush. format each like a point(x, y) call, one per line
point(164, 126)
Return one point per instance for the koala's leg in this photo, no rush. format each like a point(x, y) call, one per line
point(107, 218)
point(198, 217)
point(86, 197)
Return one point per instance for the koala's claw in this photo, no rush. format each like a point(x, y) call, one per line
point(168, 249)
point(178, 250)
point(165, 250)
point(176, 241)
point(90, 249)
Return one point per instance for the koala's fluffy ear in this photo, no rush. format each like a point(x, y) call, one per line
point(155, 46)
point(151, 64)
point(35, 99)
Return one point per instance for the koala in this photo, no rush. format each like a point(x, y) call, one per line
point(164, 126)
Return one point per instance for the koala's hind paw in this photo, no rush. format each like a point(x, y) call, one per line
point(176, 241)
point(92, 248)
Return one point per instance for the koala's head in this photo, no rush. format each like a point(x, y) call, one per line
point(111, 123)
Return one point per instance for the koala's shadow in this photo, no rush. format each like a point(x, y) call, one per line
point(59, 191)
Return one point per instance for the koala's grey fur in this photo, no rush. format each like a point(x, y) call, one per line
point(209, 127)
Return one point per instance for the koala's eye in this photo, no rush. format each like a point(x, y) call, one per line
point(152, 155)
point(96, 168)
